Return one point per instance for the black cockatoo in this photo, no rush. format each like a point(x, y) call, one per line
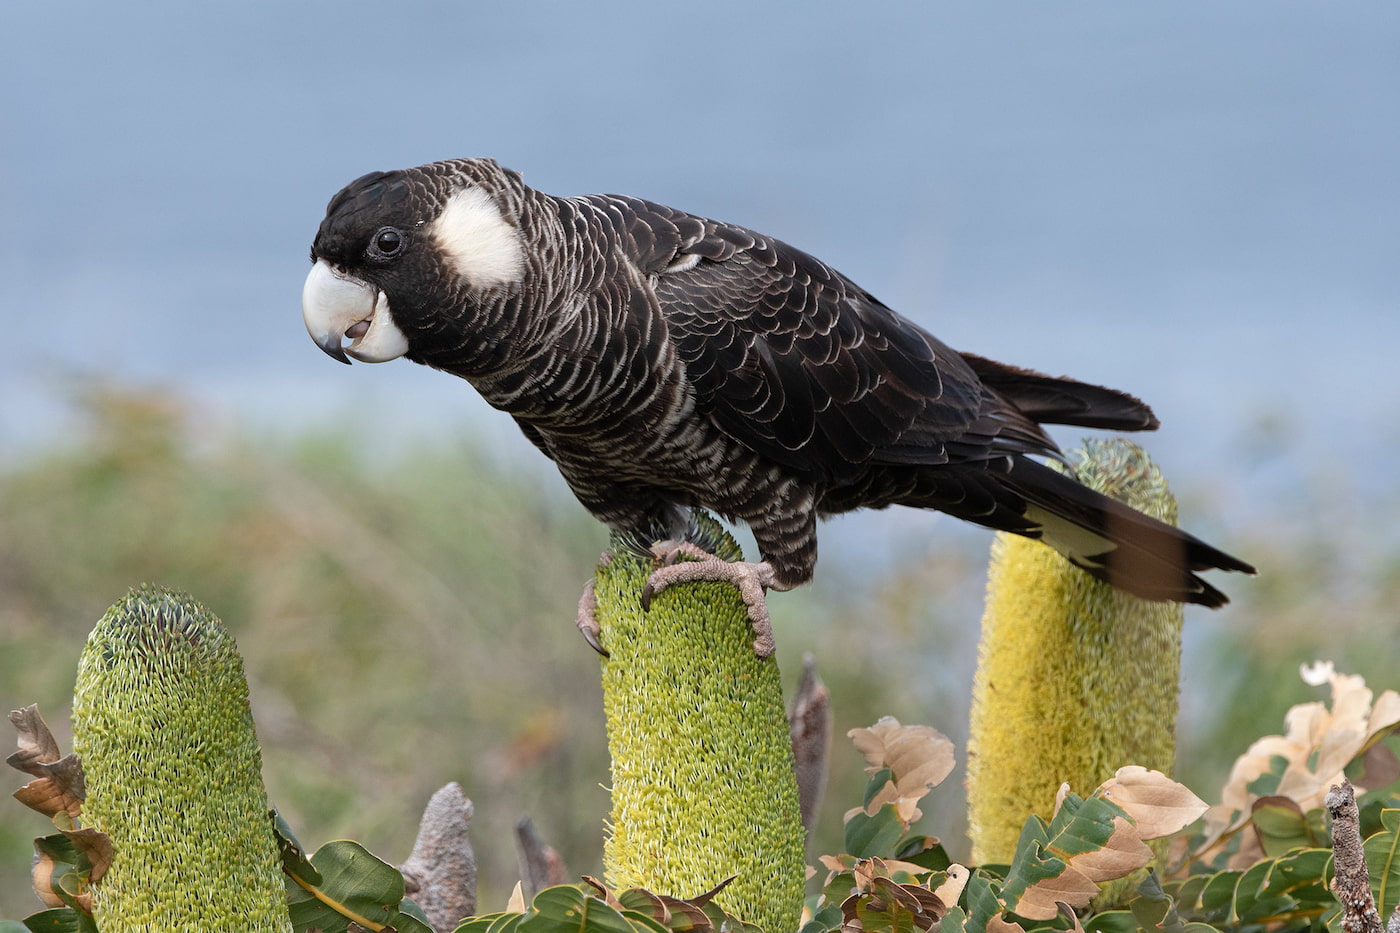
point(665, 361)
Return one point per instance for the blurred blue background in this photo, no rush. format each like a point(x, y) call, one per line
point(1196, 202)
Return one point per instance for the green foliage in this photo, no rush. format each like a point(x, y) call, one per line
point(589, 908)
point(349, 884)
point(310, 546)
point(69, 873)
point(1383, 861)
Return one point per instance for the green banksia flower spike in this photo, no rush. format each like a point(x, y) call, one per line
point(1074, 678)
point(173, 771)
point(702, 768)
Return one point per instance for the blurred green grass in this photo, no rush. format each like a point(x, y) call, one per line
point(406, 619)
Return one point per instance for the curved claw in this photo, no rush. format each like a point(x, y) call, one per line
point(587, 620)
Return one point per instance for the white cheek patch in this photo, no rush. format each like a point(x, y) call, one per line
point(478, 243)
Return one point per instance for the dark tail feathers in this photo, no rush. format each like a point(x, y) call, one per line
point(1117, 544)
point(1054, 400)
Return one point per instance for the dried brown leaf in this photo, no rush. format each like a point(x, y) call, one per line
point(920, 757)
point(49, 797)
point(96, 845)
point(1068, 912)
point(1158, 805)
point(950, 890)
point(43, 876)
point(700, 900)
point(1123, 854)
point(866, 871)
point(36, 741)
point(1379, 766)
point(608, 897)
point(1041, 900)
point(694, 913)
point(1317, 745)
point(58, 786)
point(999, 924)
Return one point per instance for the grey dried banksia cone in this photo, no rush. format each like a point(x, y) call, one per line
point(702, 768)
point(174, 773)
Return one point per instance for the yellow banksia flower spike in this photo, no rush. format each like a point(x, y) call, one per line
point(174, 773)
point(702, 769)
point(1075, 679)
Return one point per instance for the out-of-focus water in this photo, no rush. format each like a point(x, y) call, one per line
point(1198, 203)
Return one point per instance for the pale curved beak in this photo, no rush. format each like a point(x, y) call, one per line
point(337, 307)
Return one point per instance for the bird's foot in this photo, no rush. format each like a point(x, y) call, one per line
point(587, 620)
point(751, 579)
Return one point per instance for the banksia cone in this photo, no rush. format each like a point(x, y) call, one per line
point(173, 772)
point(1075, 679)
point(702, 768)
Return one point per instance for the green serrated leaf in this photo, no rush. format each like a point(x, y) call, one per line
point(1381, 849)
point(506, 923)
point(1029, 869)
point(874, 836)
point(1035, 833)
point(1085, 828)
point(1187, 894)
point(570, 909)
point(1112, 921)
point(356, 883)
point(644, 923)
point(1302, 875)
point(484, 922)
point(1080, 826)
point(954, 921)
point(1281, 828)
point(1254, 901)
point(824, 920)
point(982, 896)
point(924, 851)
point(1218, 896)
point(59, 920)
point(875, 784)
point(1266, 784)
point(294, 860)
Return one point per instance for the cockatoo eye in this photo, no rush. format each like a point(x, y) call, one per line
point(387, 243)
